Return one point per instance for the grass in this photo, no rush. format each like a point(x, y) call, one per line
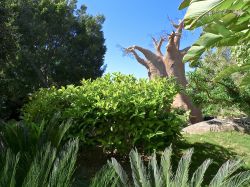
point(238, 143)
point(217, 146)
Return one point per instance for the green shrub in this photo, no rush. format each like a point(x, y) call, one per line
point(161, 174)
point(115, 111)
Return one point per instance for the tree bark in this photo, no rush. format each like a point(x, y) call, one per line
point(171, 65)
point(153, 61)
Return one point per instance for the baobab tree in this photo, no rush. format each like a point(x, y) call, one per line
point(168, 65)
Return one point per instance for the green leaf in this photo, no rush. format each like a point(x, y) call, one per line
point(201, 8)
point(198, 175)
point(230, 70)
point(184, 4)
point(181, 176)
point(138, 170)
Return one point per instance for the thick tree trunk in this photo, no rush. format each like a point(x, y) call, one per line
point(176, 68)
point(170, 64)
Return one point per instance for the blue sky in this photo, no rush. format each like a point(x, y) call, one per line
point(133, 22)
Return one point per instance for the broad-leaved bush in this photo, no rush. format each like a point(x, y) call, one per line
point(115, 111)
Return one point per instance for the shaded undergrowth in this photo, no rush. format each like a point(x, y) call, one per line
point(91, 160)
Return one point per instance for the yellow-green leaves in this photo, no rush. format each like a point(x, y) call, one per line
point(115, 111)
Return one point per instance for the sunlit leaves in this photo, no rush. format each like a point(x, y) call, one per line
point(115, 111)
point(226, 20)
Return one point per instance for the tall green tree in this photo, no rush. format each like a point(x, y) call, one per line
point(9, 45)
point(8, 34)
point(58, 45)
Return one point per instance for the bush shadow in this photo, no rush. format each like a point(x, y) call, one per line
point(91, 160)
point(203, 151)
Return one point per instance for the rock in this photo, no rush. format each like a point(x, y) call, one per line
point(216, 125)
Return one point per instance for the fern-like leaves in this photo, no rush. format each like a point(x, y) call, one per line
point(161, 175)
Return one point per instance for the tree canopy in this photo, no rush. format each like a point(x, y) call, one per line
point(51, 43)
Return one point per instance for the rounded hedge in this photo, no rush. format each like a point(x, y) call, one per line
point(115, 111)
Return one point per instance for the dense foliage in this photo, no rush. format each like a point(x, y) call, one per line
point(35, 155)
point(240, 54)
point(225, 97)
point(45, 43)
point(224, 22)
point(162, 175)
point(115, 111)
point(8, 34)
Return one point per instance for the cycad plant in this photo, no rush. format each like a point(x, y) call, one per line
point(161, 175)
point(34, 156)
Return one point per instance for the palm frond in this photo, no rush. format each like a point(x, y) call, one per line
point(163, 177)
point(64, 165)
point(166, 166)
point(106, 177)
point(198, 175)
point(36, 155)
point(224, 172)
point(55, 135)
point(139, 172)
point(8, 169)
point(181, 176)
point(157, 176)
point(238, 180)
point(40, 168)
point(120, 172)
point(13, 131)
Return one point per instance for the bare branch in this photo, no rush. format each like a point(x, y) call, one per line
point(137, 57)
point(171, 43)
point(124, 50)
point(178, 34)
point(158, 45)
point(173, 23)
point(149, 55)
point(185, 50)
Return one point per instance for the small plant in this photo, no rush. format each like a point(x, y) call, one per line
point(161, 175)
point(115, 111)
point(34, 156)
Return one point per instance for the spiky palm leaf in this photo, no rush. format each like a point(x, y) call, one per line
point(139, 173)
point(40, 168)
point(181, 175)
point(47, 162)
point(224, 172)
point(198, 175)
point(106, 177)
point(166, 166)
point(64, 165)
point(9, 163)
point(157, 176)
point(164, 177)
